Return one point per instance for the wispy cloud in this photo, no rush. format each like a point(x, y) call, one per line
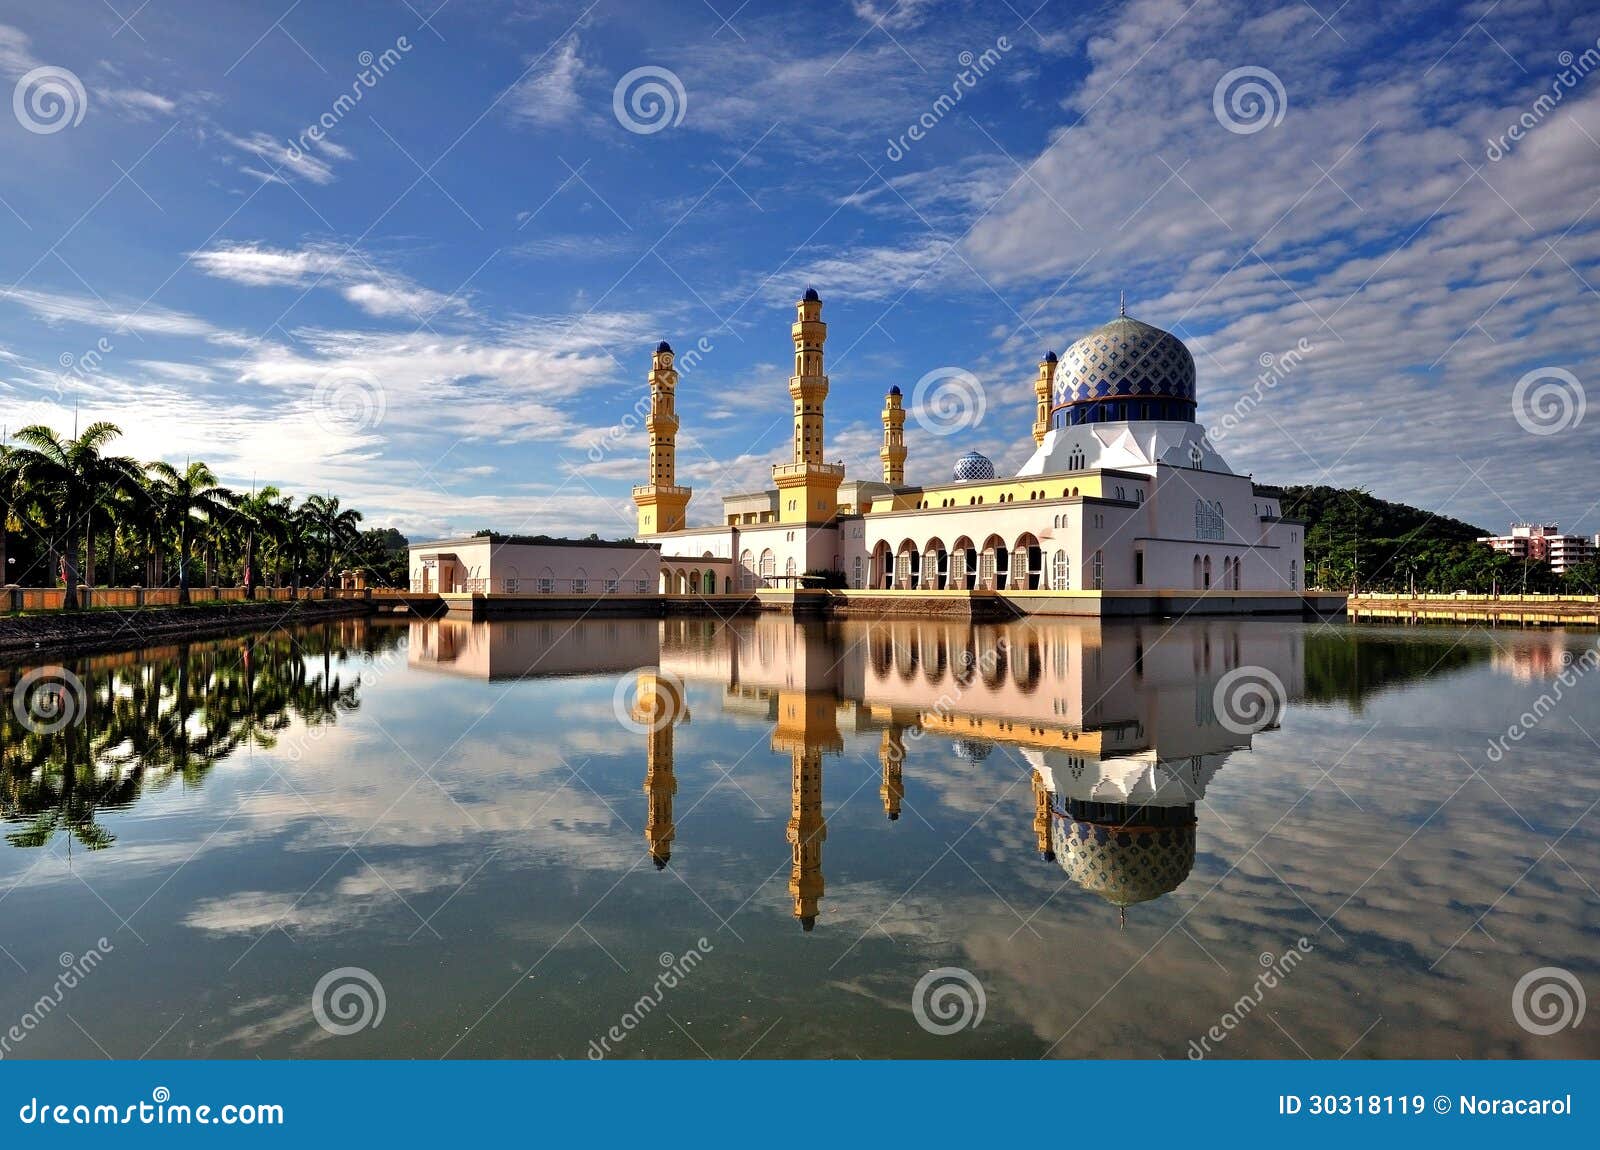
point(548, 95)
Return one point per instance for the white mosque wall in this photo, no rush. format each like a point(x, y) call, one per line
point(480, 565)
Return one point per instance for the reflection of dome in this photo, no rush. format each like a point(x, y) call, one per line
point(973, 750)
point(973, 466)
point(1126, 359)
point(1135, 858)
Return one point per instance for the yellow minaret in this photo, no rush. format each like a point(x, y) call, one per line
point(1043, 390)
point(892, 755)
point(893, 451)
point(659, 707)
point(808, 726)
point(808, 487)
point(1041, 819)
point(663, 505)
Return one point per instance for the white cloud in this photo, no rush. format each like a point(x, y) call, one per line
point(358, 278)
point(549, 93)
point(15, 54)
point(279, 158)
point(137, 103)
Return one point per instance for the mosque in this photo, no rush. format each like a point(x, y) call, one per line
point(1123, 507)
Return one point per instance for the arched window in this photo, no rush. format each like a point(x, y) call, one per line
point(769, 567)
point(1097, 571)
point(1206, 568)
point(1059, 579)
point(856, 574)
point(1197, 572)
point(747, 571)
point(788, 569)
point(580, 582)
point(547, 581)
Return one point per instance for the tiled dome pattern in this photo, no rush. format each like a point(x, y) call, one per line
point(974, 466)
point(1125, 358)
point(1123, 865)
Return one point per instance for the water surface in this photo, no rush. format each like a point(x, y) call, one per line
point(516, 830)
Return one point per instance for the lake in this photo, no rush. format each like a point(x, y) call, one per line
point(690, 839)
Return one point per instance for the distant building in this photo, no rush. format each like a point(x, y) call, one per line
point(534, 565)
point(1544, 542)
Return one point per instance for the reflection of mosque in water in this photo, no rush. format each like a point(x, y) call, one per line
point(1115, 724)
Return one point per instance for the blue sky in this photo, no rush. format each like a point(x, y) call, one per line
point(443, 309)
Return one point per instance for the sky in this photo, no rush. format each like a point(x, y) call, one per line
point(417, 254)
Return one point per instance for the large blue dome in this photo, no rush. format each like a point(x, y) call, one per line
point(974, 466)
point(1126, 369)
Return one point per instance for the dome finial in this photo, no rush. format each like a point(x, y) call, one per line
point(1122, 305)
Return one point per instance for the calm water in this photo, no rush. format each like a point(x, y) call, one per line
point(523, 832)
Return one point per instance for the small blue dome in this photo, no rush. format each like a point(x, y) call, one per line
point(811, 295)
point(1050, 357)
point(974, 466)
point(894, 390)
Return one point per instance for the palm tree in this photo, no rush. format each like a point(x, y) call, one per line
point(183, 495)
point(257, 512)
point(72, 477)
point(10, 496)
point(337, 529)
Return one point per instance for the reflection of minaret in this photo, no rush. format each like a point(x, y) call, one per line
point(892, 754)
point(807, 727)
point(1041, 818)
point(659, 707)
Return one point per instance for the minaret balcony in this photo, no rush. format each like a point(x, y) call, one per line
point(658, 489)
point(800, 470)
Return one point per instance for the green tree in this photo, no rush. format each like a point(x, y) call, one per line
point(185, 496)
point(72, 478)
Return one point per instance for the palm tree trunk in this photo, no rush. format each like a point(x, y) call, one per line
point(249, 565)
point(88, 550)
point(183, 567)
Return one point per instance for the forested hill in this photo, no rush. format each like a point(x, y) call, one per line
point(1343, 511)
point(1354, 539)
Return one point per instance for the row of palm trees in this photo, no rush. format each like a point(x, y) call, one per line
point(72, 494)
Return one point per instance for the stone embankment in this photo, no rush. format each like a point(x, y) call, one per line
point(101, 630)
